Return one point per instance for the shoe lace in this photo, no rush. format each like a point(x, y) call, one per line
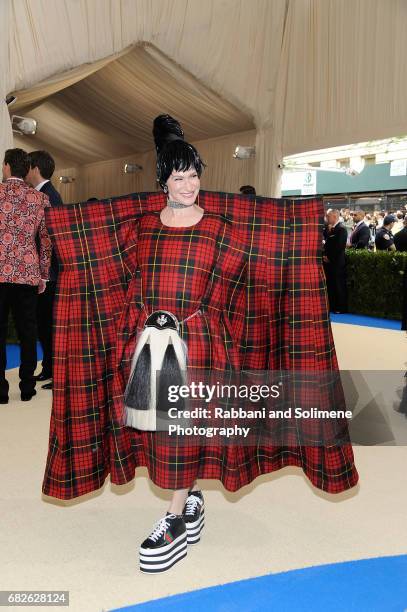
point(191, 504)
point(159, 529)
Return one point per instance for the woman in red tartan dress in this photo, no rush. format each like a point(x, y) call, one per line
point(188, 261)
point(190, 264)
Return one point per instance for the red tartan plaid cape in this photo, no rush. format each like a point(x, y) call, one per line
point(286, 327)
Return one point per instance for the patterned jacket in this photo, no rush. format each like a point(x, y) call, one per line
point(21, 218)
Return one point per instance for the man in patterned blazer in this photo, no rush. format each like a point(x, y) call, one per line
point(23, 271)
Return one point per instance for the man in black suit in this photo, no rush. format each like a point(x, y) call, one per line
point(42, 168)
point(360, 237)
point(400, 239)
point(335, 238)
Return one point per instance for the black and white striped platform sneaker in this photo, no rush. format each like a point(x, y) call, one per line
point(165, 546)
point(194, 516)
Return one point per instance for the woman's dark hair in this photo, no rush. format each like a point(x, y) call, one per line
point(173, 152)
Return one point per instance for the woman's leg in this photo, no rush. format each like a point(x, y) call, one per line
point(194, 514)
point(178, 501)
point(179, 498)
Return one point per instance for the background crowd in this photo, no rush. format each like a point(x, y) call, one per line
point(387, 229)
point(357, 229)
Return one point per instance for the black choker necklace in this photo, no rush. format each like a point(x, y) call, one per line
point(173, 204)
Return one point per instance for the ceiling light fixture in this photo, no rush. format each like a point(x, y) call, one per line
point(131, 168)
point(25, 126)
point(244, 152)
point(10, 100)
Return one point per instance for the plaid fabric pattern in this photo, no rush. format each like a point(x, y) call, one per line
point(185, 271)
point(256, 263)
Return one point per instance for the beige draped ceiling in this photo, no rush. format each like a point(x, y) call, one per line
point(294, 75)
point(109, 113)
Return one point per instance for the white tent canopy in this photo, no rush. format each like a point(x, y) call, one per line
point(297, 74)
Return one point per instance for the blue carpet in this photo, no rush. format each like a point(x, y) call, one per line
point(369, 585)
point(353, 319)
point(13, 355)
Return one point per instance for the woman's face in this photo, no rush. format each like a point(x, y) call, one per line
point(183, 187)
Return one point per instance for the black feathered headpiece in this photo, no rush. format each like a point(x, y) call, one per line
point(173, 152)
